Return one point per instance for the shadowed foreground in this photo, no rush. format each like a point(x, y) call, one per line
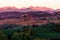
point(50, 31)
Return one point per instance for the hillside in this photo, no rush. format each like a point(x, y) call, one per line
point(28, 15)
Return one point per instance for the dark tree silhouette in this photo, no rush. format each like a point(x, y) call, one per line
point(56, 28)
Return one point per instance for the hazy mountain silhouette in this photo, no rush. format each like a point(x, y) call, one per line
point(31, 8)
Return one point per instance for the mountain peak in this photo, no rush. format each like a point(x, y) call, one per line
point(8, 8)
point(40, 8)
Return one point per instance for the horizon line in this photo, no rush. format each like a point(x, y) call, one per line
point(27, 7)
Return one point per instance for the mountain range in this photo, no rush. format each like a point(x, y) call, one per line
point(28, 15)
point(24, 9)
point(34, 11)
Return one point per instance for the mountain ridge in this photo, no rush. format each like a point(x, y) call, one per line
point(25, 9)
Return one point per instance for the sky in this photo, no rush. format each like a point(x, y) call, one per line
point(55, 4)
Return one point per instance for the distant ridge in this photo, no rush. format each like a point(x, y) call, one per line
point(24, 9)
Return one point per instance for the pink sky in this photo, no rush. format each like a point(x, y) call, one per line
point(55, 4)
